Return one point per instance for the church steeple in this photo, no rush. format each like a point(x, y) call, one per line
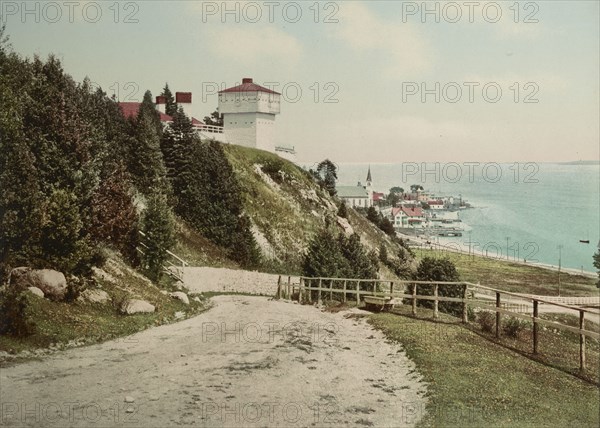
point(369, 182)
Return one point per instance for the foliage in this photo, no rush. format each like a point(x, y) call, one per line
point(344, 257)
point(158, 226)
point(372, 216)
point(486, 320)
point(513, 326)
point(215, 119)
point(273, 167)
point(213, 203)
point(439, 270)
point(326, 176)
point(15, 319)
point(171, 105)
point(414, 188)
point(113, 214)
point(343, 210)
point(387, 227)
point(383, 254)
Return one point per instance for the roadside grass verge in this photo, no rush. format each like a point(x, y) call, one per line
point(515, 277)
point(61, 324)
point(474, 382)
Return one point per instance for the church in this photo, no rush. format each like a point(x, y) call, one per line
point(358, 196)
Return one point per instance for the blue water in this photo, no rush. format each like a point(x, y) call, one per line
point(539, 207)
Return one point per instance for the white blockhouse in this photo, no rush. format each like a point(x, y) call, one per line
point(249, 115)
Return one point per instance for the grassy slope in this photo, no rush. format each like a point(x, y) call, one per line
point(509, 276)
point(290, 213)
point(474, 382)
point(59, 322)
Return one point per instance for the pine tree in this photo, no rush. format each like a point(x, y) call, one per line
point(146, 162)
point(383, 254)
point(324, 257)
point(158, 226)
point(343, 210)
point(171, 105)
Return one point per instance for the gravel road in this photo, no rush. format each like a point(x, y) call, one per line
point(248, 361)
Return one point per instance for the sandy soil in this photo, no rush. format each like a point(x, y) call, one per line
point(249, 361)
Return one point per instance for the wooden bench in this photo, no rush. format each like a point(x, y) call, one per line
point(379, 303)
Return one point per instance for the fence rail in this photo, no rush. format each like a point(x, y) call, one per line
point(173, 265)
point(310, 289)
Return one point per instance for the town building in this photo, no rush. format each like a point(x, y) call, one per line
point(358, 196)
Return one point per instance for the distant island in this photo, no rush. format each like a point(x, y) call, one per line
point(581, 162)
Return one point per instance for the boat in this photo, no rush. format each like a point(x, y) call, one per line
point(584, 241)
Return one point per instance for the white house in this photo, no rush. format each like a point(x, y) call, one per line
point(359, 195)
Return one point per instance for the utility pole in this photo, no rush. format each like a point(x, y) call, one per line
point(507, 238)
point(559, 263)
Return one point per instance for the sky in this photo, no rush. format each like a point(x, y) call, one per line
point(371, 82)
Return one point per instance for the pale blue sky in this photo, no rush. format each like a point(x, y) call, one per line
point(369, 55)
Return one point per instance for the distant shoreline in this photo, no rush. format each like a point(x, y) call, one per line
point(422, 243)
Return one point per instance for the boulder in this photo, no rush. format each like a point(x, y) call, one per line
point(345, 225)
point(95, 295)
point(180, 295)
point(51, 282)
point(36, 291)
point(137, 306)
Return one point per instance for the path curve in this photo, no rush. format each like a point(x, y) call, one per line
point(248, 361)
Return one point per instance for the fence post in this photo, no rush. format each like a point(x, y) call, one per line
point(289, 291)
point(309, 291)
point(278, 288)
point(331, 290)
point(535, 327)
point(345, 290)
point(465, 310)
point(414, 300)
point(392, 289)
point(357, 295)
point(581, 341)
point(319, 292)
point(435, 302)
point(497, 315)
point(300, 289)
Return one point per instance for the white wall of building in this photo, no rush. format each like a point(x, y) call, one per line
point(249, 102)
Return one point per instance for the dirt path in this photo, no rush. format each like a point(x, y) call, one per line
point(248, 361)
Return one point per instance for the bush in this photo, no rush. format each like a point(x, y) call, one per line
point(471, 314)
point(343, 210)
point(512, 327)
point(273, 167)
point(14, 317)
point(439, 270)
point(487, 321)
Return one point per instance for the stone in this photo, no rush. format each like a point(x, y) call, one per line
point(53, 283)
point(345, 225)
point(95, 295)
point(137, 306)
point(129, 399)
point(180, 295)
point(36, 291)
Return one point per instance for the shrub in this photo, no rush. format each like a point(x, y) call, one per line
point(14, 317)
point(343, 210)
point(471, 314)
point(513, 326)
point(432, 269)
point(273, 167)
point(486, 320)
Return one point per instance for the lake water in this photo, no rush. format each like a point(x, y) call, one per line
point(539, 207)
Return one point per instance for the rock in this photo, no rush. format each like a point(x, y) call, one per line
point(129, 399)
point(196, 299)
point(36, 291)
point(345, 225)
point(95, 296)
point(180, 295)
point(51, 282)
point(130, 410)
point(137, 306)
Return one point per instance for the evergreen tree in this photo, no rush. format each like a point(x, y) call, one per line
point(114, 217)
point(324, 257)
point(372, 216)
point(158, 226)
point(343, 210)
point(387, 226)
point(383, 254)
point(326, 175)
point(214, 119)
point(146, 162)
point(358, 262)
point(432, 269)
point(171, 105)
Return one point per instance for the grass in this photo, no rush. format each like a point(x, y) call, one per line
point(473, 382)
point(508, 276)
point(58, 323)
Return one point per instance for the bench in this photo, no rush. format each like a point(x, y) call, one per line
point(379, 303)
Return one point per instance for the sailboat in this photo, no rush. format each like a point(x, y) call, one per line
point(585, 241)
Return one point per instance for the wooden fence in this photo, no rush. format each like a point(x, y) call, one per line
point(173, 264)
point(309, 289)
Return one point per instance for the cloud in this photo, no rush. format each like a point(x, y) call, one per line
point(252, 43)
point(404, 48)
